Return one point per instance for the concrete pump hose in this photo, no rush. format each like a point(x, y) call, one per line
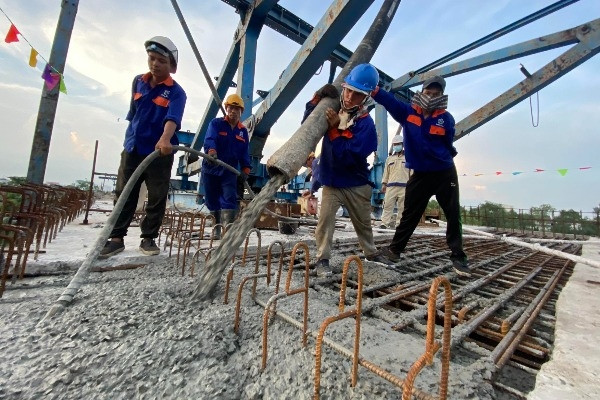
point(81, 275)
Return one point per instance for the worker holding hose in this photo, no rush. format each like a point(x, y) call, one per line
point(344, 171)
point(226, 140)
point(155, 113)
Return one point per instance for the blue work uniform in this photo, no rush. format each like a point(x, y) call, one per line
point(427, 142)
point(429, 151)
point(231, 146)
point(149, 110)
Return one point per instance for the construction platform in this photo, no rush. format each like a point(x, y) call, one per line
point(133, 332)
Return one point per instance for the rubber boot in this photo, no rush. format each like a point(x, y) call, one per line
point(227, 216)
point(217, 230)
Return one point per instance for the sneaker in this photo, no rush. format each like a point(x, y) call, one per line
point(390, 255)
point(111, 248)
point(323, 268)
point(148, 246)
point(380, 258)
point(460, 267)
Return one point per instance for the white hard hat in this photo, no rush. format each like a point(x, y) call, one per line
point(163, 45)
point(398, 139)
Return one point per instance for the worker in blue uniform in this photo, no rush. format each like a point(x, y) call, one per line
point(428, 145)
point(344, 171)
point(155, 112)
point(227, 140)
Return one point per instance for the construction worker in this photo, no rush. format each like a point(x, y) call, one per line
point(428, 143)
point(393, 184)
point(227, 140)
point(155, 113)
point(344, 170)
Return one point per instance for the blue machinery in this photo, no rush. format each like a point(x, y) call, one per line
point(323, 40)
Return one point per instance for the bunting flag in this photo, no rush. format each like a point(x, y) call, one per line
point(11, 36)
point(33, 58)
point(62, 87)
point(51, 78)
point(561, 171)
point(50, 75)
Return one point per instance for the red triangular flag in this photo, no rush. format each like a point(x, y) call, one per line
point(498, 172)
point(11, 36)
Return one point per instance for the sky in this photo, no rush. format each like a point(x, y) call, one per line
point(106, 51)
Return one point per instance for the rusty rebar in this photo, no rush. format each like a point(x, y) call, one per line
point(507, 346)
point(356, 312)
point(244, 257)
point(238, 304)
point(399, 382)
point(288, 292)
point(431, 346)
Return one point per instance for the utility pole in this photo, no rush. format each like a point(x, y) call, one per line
point(49, 100)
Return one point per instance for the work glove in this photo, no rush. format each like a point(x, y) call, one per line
point(328, 91)
point(212, 157)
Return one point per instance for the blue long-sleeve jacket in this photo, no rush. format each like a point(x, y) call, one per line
point(150, 108)
point(315, 181)
point(344, 152)
point(231, 145)
point(427, 142)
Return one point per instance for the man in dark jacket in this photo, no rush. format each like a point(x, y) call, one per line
point(428, 145)
point(344, 170)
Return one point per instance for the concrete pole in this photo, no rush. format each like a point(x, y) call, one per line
point(45, 121)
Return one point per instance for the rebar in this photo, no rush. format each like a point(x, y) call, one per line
point(356, 312)
point(431, 346)
point(288, 292)
point(244, 257)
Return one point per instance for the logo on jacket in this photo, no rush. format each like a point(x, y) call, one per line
point(440, 122)
point(165, 94)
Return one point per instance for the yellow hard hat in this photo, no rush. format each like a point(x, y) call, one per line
point(234, 100)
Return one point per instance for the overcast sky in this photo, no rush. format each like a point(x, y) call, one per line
point(106, 51)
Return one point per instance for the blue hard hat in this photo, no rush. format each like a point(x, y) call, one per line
point(363, 78)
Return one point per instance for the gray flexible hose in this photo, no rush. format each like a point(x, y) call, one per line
point(81, 275)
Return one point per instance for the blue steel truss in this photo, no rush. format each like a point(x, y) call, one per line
point(321, 43)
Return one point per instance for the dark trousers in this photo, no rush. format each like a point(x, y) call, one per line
point(220, 191)
point(419, 189)
point(157, 177)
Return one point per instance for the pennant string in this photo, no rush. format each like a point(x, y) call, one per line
point(29, 43)
point(561, 171)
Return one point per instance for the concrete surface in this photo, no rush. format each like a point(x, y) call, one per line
point(573, 372)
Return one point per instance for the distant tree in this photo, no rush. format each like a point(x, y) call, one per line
point(82, 184)
point(567, 222)
point(433, 205)
point(16, 180)
point(493, 214)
